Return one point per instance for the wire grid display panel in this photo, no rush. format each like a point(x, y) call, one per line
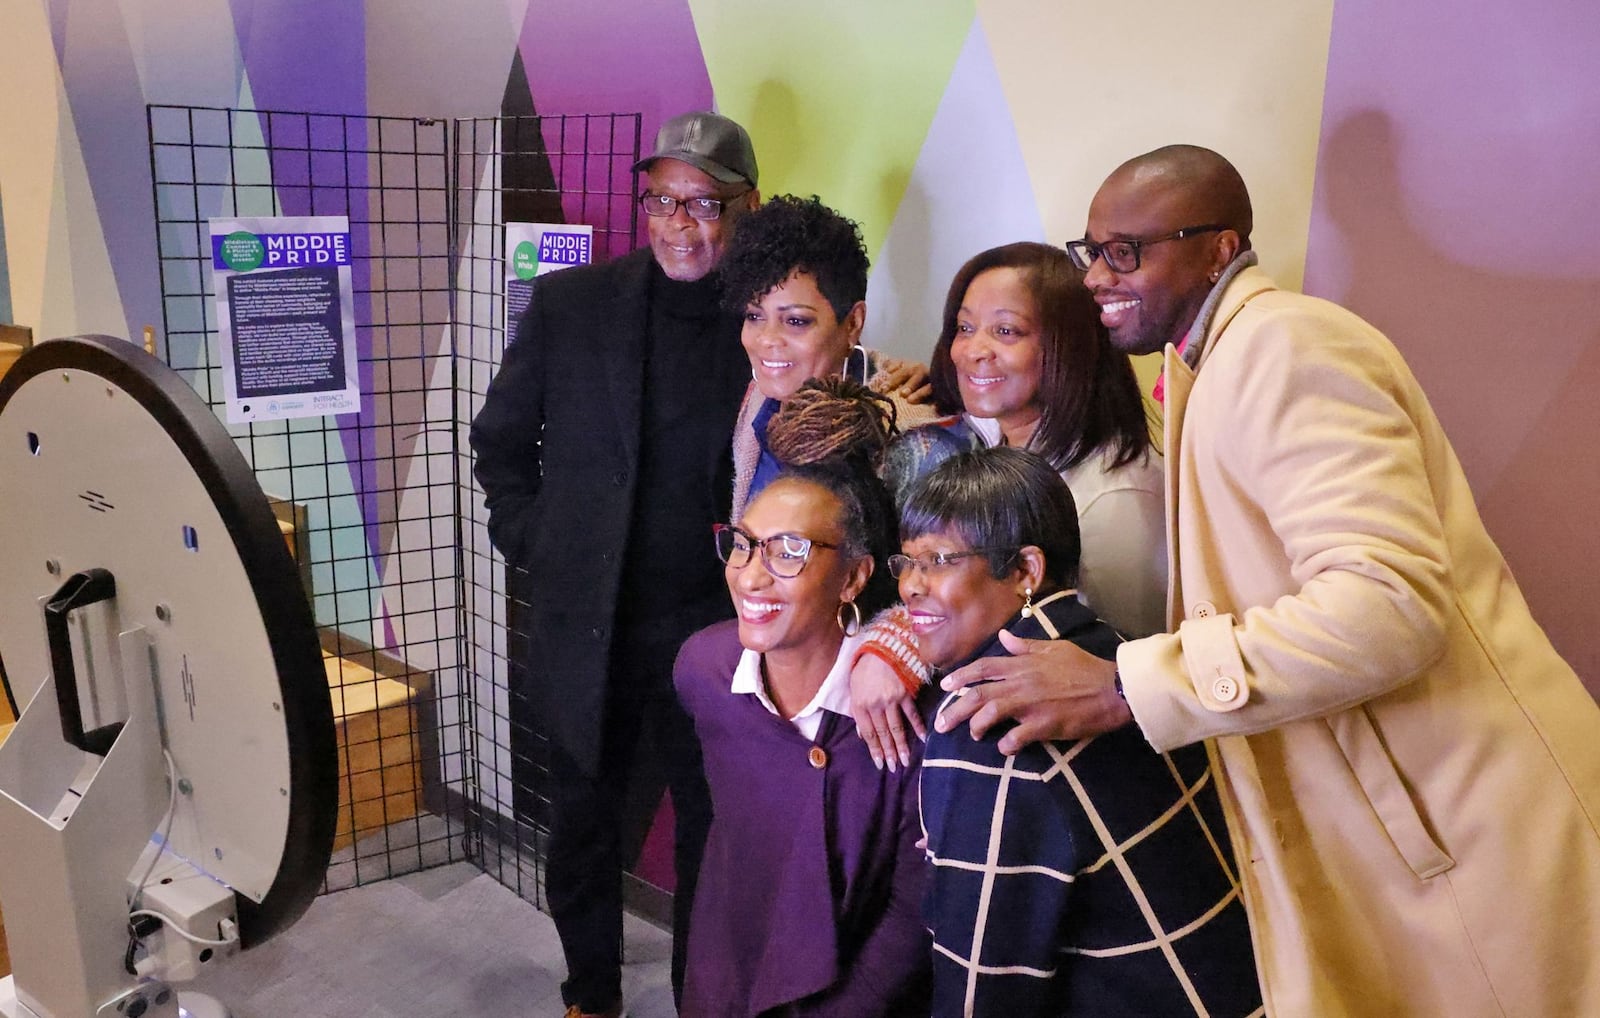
point(368, 502)
point(552, 169)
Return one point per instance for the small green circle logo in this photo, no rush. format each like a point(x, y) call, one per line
point(525, 260)
point(242, 251)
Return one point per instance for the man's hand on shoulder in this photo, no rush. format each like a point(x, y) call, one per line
point(1052, 689)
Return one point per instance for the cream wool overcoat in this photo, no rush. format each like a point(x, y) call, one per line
point(1411, 774)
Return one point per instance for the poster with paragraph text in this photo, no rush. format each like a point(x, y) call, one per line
point(285, 314)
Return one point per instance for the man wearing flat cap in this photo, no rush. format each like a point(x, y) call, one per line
point(603, 452)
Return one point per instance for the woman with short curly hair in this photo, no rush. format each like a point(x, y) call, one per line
point(797, 271)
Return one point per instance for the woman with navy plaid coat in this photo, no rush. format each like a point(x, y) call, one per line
point(1075, 878)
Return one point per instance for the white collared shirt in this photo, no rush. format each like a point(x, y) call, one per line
point(834, 693)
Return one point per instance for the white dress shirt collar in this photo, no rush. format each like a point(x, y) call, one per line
point(833, 695)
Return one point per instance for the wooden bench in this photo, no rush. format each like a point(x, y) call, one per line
point(375, 710)
point(9, 352)
point(375, 715)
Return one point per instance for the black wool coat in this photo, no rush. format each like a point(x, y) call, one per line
point(557, 448)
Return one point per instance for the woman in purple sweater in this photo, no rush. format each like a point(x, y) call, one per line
point(810, 890)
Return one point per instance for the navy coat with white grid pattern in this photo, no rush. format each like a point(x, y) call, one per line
point(1092, 877)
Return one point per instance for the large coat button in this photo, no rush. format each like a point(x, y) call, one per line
point(1203, 610)
point(818, 757)
point(1225, 689)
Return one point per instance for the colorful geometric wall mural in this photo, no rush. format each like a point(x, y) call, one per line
point(1453, 207)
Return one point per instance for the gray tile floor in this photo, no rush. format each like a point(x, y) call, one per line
point(448, 941)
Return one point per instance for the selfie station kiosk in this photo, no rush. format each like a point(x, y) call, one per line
point(169, 793)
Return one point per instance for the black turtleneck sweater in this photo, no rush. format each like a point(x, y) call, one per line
point(684, 459)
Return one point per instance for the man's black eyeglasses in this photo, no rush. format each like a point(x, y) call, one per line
point(1123, 255)
point(784, 555)
point(703, 209)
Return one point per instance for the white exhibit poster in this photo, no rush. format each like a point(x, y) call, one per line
point(533, 249)
point(286, 315)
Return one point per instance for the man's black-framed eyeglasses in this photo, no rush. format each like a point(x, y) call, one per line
point(702, 209)
point(784, 555)
point(1123, 255)
point(939, 561)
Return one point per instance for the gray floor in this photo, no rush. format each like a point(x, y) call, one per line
point(448, 941)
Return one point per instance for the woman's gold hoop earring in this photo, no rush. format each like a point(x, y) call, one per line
point(853, 626)
point(1027, 602)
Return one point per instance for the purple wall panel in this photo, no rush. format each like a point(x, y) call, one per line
point(103, 90)
point(1455, 209)
point(57, 11)
point(596, 56)
point(304, 56)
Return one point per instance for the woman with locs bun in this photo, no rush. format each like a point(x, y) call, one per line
point(809, 897)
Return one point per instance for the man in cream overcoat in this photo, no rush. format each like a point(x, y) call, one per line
point(1411, 774)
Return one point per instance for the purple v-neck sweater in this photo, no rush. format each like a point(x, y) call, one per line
point(810, 894)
